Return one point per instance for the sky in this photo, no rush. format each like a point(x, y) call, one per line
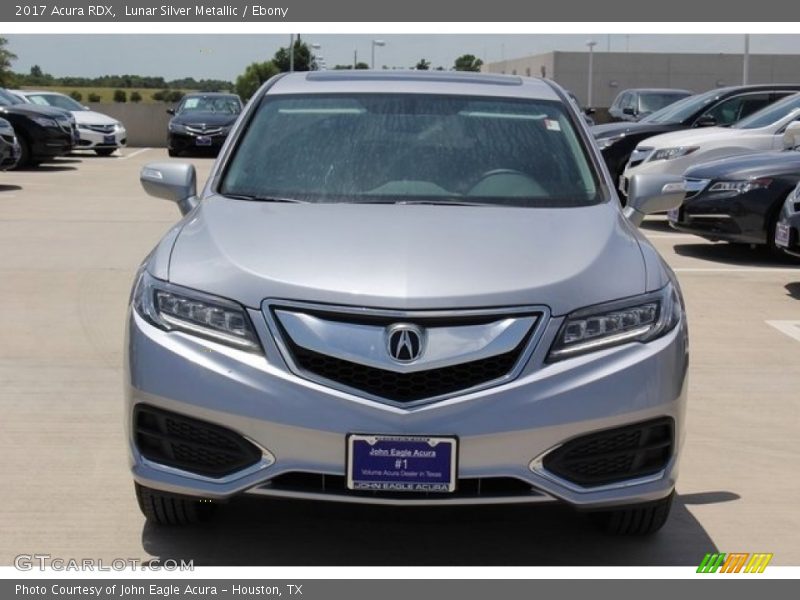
point(174, 56)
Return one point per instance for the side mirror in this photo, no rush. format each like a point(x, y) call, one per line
point(629, 111)
point(171, 111)
point(791, 136)
point(648, 194)
point(706, 121)
point(171, 181)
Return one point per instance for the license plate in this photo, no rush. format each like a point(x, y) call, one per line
point(390, 463)
point(782, 235)
point(202, 140)
point(674, 215)
point(109, 139)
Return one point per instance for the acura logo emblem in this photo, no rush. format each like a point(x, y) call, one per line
point(404, 342)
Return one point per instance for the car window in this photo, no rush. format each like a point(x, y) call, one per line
point(771, 114)
point(219, 104)
point(401, 147)
point(733, 109)
point(8, 99)
point(653, 101)
point(56, 100)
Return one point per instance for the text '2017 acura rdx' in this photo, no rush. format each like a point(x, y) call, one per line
point(407, 289)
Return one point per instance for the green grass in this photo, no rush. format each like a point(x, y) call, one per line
point(106, 93)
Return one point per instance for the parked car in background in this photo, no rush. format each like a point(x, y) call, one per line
point(9, 146)
point(43, 132)
point(719, 107)
point(202, 121)
point(787, 230)
point(379, 298)
point(635, 104)
point(96, 131)
point(673, 153)
point(738, 199)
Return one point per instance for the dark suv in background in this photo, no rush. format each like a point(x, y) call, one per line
point(720, 107)
point(43, 132)
point(632, 105)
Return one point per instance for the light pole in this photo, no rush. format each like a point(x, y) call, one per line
point(589, 99)
point(746, 60)
point(375, 43)
point(291, 53)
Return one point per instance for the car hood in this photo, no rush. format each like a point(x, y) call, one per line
point(208, 118)
point(762, 164)
point(693, 137)
point(630, 128)
point(408, 256)
point(90, 117)
point(35, 110)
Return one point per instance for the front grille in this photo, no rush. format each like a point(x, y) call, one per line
point(407, 387)
point(202, 131)
point(615, 454)
point(99, 128)
point(190, 444)
point(318, 483)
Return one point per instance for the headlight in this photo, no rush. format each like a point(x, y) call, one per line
point(176, 127)
point(638, 319)
point(670, 153)
point(172, 307)
point(45, 121)
point(741, 186)
point(605, 142)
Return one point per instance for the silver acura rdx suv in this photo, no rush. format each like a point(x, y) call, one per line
point(407, 289)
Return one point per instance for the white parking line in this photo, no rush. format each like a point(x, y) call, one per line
point(790, 328)
point(737, 270)
point(132, 154)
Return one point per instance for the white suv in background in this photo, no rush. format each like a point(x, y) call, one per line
point(97, 131)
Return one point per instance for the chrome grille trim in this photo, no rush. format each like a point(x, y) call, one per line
point(540, 316)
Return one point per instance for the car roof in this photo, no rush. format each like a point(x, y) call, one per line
point(658, 91)
point(414, 82)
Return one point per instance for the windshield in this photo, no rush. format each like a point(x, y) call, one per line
point(407, 148)
point(8, 99)
point(682, 109)
point(770, 114)
point(218, 104)
point(57, 100)
point(653, 101)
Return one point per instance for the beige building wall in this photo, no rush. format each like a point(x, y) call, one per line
point(616, 71)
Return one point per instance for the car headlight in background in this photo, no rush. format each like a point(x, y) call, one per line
point(671, 153)
point(639, 319)
point(605, 142)
point(45, 121)
point(175, 308)
point(740, 186)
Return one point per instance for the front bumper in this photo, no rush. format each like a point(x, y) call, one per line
point(503, 432)
point(189, 142)
point(89, 139)
point(9, 153)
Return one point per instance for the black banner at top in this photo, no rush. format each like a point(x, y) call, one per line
point(405, 11)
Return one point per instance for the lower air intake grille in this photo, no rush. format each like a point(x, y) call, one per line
point(189, 444)
point(615, 454)
point(407, 387)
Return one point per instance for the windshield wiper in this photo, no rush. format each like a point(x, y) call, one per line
point(253, 198)
point(417, 202)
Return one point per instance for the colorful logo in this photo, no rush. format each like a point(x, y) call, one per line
point(734, 562)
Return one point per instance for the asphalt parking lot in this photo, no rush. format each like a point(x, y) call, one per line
point(71, 236)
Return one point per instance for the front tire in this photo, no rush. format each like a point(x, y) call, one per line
point(173, 153)
point(162, 508)
point(636, 519)
point(24, 154)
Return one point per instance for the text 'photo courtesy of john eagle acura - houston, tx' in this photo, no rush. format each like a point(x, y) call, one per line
point(407, 288)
